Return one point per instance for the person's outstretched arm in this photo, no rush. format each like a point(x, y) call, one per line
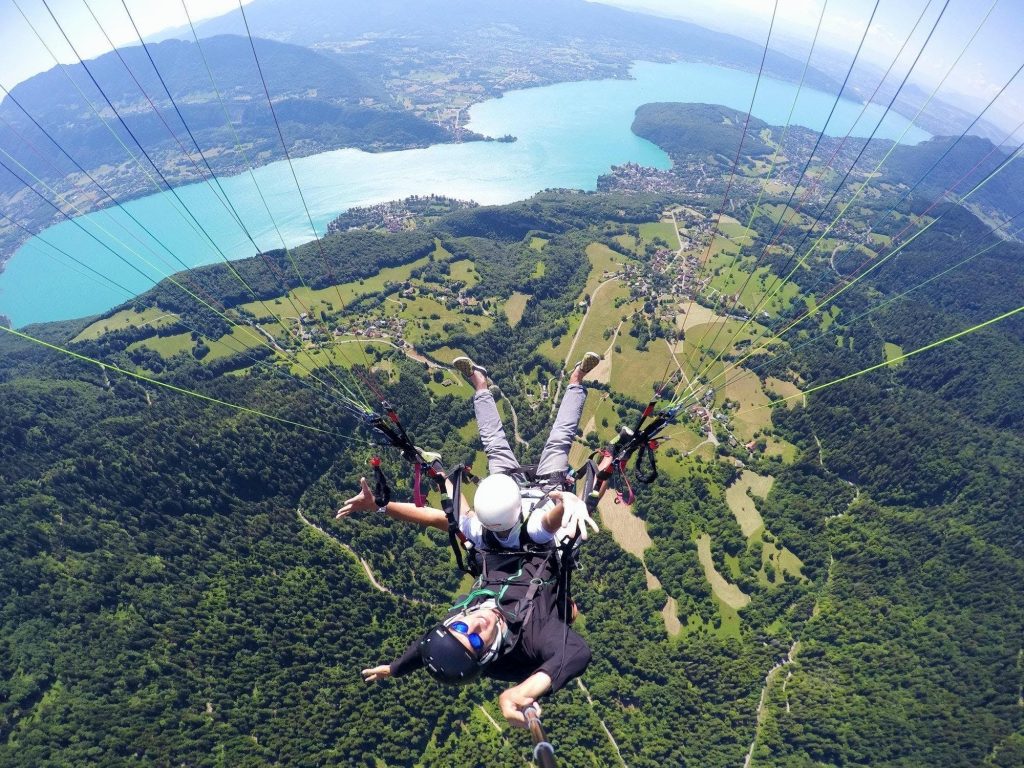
point(517, 698)
point(568, 511)
point(396, 510)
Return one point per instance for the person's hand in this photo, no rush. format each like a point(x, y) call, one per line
point(576, 518)
point(376, 674)
point(513, 702)
point(362, 502)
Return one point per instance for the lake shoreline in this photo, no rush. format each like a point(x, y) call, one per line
point(566, 135)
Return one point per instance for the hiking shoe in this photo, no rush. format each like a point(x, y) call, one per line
point(466, 367)
point(588, 363)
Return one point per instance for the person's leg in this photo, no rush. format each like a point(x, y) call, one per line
point(500, 457)
point(555, 456)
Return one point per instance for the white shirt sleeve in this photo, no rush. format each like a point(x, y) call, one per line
point(472, 529)
point(535, 525)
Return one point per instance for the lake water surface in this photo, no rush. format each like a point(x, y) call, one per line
point(568, 135)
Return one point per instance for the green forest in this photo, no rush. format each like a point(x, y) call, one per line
point(176, 590)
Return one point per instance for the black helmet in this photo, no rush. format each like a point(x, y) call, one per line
point(447, 659)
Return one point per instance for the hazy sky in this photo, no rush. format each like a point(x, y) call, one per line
point(23, 55)
point(986, 65)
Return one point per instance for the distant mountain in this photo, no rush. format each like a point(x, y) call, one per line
point(458, 26)
point(335, 101)
point(970, 161)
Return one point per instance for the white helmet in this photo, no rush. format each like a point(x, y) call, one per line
point(498, 503)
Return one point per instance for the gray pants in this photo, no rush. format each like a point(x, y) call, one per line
point(555, 456)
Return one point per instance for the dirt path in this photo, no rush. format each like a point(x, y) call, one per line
point(590, 304)
point(607, 733)
point(515, 419)
point(768, 679)
point(366, 566)
point(488, 716)
point(794, 649)
point(575, 338)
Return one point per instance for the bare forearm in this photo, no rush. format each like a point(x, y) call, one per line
point(410, 513)
point(553, 517)
point(516, 699)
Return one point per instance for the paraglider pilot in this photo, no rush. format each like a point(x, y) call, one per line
point(514, 624)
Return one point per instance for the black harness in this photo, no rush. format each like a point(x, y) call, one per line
point(541, 565)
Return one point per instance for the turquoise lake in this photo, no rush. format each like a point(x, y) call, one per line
point(568, 135)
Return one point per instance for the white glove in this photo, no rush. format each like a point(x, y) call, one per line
point(575, 518)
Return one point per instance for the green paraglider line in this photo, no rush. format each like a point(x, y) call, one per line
point(891, 362)
point(172, 387)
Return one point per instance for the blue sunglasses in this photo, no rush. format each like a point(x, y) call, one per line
point(463, 629)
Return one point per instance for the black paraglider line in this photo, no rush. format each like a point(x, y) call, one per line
point(776, 285)
point(879, 263)
point(940, 198)
point(824, 335)
point(735, 165)
point(808, 191)
point(817, 142)
point(850, 283)
point(77, 223)
point(219, 192)
point(222, 197)
point(167, 385)
point(360, 406)
point(96, 277)
point(291, 167)
point(237, 218)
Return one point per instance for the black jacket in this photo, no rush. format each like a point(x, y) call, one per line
point(544, 643)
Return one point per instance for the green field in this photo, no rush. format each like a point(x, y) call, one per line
point(166, 346)
point(603, 260)
point(127, 318)
point(782, 560)
point(735, 231)
point(344, 353)
point(781, 448)
point(241, 339)
point(722, 246)
point(465, 271)
point(788, 215)
point(626, 241)
point(538, 243)
point(602, 316)
point(763, 291)
point(515, 306)
point(893, 351)
point(445, 355)
point(716, 337)
point(557, 354)
point(634, 373)
point(754, 414)
point(785, 389)
point(725, 591)
point(663, 229)
point(333, 298)
point(427, 316)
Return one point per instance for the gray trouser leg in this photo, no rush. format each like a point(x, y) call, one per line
point(499, 453)
point(555, 457)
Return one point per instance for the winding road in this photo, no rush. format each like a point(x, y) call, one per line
point(366, 566)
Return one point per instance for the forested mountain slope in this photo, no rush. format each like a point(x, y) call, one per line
point(164, 603)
